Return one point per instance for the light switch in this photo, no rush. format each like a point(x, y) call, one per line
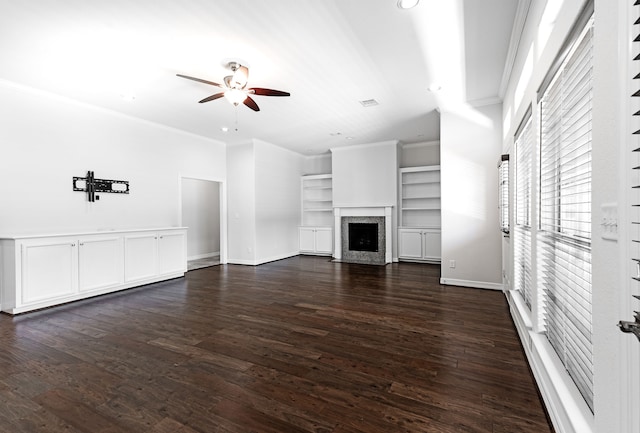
point(609, 223)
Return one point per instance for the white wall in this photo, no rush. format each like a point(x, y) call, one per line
point(201, 214)
point(317, 164)
point(469, 152)
point(241, 206)
point(365, 175)
point(418, 154)
point(46, 140)
point(278, 198)
point(263, 202)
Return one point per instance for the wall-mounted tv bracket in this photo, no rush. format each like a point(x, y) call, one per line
point(91, 186)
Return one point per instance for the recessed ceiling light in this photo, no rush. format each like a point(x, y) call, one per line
point(369, 103)
point(407, 4)
point(224, 129)
point(435, 87)
point(349, 138)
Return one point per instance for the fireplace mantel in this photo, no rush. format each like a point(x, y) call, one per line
point(375, 211)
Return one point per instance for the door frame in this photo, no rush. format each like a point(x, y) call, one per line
point(222, 206)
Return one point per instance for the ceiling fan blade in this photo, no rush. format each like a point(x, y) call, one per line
point(268, 92)
point(251, 104)
point(212, 97)
point(199, 80)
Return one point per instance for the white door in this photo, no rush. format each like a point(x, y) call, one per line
point(100, 263)
point(324, 240)
point(432, 244)
point(307, 239)
point(48, 269)
point(410, 243)
point(140, 256)
point(171, 252)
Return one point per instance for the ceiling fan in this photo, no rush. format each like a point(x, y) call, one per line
point(235, 87)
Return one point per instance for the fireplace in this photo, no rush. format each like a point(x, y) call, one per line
point(363, 239)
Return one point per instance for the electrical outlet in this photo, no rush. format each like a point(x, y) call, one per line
point(452, 264)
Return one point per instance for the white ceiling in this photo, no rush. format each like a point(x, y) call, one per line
point(329, 54)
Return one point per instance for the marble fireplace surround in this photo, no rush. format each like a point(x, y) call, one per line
point(378, 211)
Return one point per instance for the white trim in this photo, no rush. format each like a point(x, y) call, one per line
point(420, 144)
point(514, 43)
point(224, 248)
point(629, 349)
point(472, 284)
point(483, 102)
point(203, 256)
point(567, 409)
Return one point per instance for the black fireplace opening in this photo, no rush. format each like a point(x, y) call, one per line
point(363, 237)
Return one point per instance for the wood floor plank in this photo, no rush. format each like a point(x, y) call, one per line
point(301, 345)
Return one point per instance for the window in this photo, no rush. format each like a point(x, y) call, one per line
point(503, 193)
point(564, 237)
point(523, 146)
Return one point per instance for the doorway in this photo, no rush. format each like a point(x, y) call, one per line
point(201, 204)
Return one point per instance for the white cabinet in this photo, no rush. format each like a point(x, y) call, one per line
point(141, 256)
point(419, 244)
point(172, 252)
point(316, 240)
point(100, 263)
point(158, 253)
point(48, 269)
point(41, 271)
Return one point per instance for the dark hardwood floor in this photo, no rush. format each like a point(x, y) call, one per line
point(298, 345)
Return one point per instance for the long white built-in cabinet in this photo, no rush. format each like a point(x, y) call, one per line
point(44, 270)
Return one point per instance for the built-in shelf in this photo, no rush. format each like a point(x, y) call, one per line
point(316, 231)
point(419, 214)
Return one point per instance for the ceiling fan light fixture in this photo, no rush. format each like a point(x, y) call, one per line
point(235, 96)
point(407, 4)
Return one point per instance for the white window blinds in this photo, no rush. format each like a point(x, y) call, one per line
point(564, 261)
point(523, 146)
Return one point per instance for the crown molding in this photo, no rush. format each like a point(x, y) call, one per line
point(514, 43)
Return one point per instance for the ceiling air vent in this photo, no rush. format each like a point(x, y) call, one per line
point(369, 103)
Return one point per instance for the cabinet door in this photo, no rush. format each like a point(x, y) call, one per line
point(48, 270)
point(172, 257)
point(307, 239)
point(100, 263)
point(410, 243)
point(324, 240)
point(432, 248)
point(140, 256)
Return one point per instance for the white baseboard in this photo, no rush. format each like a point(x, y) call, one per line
point(567, 409)
point(204, 256)
point(473, 284)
